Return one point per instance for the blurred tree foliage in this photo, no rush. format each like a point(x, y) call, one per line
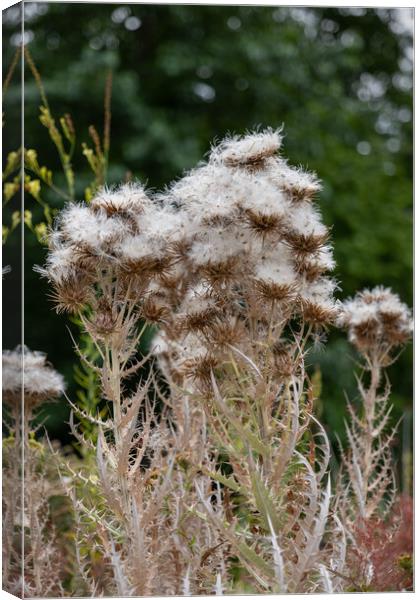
point(339, 79)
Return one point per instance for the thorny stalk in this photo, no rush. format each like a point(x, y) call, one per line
point(377, 323)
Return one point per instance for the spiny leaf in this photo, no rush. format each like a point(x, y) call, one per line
point(264, 503)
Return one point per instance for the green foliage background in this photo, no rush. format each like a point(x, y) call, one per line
point(340, 80)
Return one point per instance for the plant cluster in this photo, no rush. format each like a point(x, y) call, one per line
point(211, 467)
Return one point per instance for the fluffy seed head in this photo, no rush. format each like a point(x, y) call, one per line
point(198, 310)
point(154, 310)
point(81, 226)
point(72, 294)
point(315, 265)
point(30, 370)
point(275, 280)
point(130, 198)
point(250, 150)
point(298, 184)
point(376, 319)
point(318, 305)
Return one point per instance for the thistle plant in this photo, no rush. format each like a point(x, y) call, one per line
point(378, 324)
point(33, 560)
point(203, 469)
point(220, 477)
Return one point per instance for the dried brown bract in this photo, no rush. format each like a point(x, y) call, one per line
point(262, 224)
point(72, 295)
point(154, 311)
point(306, 244)
point(269, 290)
point(318, 314)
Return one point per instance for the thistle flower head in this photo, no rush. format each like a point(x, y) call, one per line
point(29, 370)
point(314, 265)
point(198, 310)
point(215, 246)
point(205, 193)
point(318, 304)
point(299, 184)
point(263, 199)
point(95, 231)
point(305, 233)
point(250, 150)
point(130, 198)
point(276, 280)
point(376, 319)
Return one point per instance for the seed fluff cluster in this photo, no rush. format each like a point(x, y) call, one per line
point(237, 246)
point(30, 370)
point(255, 253)
point(376, 318)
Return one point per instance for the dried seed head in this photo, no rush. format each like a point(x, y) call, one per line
point(283, 358)
point(146, 265)
point(275, 280)
point(222, 272)
point(262, 224)
point(299, 185)
point(317, 302)
point(128, 199)
point(104, 320)
point(155, 311)
point(223, 332)
point(319, 313)
point(86, 260)
point(198, 320)
point(179, 249)
point(274, 291)
point(30, 371)
point(306, 244)
point(365, 333)
point(198, 310)
point(376, 318)
point(72, 294)
point(250, 150)
point(313, 266)
point(200, 368)
point(304, 230)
